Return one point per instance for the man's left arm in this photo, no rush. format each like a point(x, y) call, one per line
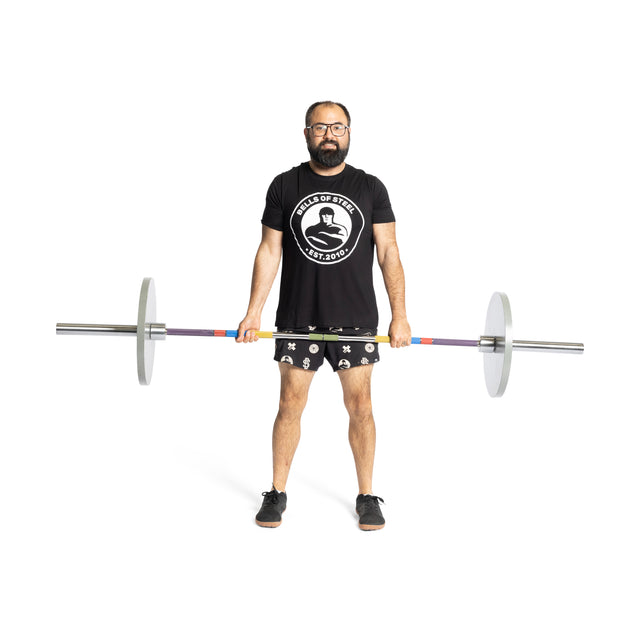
point(384, 236)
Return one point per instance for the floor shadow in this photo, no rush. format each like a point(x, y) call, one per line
point(350, 506)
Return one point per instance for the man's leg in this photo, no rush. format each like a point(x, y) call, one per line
point(294, 390)
point(356, 385)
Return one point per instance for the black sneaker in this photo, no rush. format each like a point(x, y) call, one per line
point(368, 508)
point(273, 505)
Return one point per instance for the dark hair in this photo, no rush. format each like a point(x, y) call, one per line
point(307, 118)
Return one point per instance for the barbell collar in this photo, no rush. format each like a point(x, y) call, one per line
point(486, 344)
point(156, 331)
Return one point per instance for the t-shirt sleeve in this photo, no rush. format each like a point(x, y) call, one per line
point(273, 215)
point(382, 211)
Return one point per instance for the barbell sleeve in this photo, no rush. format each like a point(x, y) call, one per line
point(548, 347)
point(63, 328)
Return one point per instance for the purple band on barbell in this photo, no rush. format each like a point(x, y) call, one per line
point(454, 343)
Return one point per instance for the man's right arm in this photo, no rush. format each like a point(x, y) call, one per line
point(265, 269)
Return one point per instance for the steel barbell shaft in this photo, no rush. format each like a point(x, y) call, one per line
point(496, 345)
point(318, 337)
point(158, 331)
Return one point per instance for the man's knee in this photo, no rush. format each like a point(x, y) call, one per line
point(356, 384)
point(292, 404)
point(294, 390)
point(358, 404)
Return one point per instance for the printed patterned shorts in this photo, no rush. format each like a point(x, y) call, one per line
point(307, 354)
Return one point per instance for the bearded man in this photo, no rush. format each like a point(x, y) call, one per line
point(328, 290)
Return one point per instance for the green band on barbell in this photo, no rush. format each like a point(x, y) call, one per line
point(323, 337)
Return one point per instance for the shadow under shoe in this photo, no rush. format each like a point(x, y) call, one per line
point(273, 506)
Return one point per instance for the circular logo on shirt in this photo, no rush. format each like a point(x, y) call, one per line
point(327, 227)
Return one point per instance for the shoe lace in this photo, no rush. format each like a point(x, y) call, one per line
point(371, 502)
point(271, 496)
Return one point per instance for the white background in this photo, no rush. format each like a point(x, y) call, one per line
point(138, 139)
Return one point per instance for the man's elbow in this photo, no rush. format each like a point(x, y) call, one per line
point(390, 254)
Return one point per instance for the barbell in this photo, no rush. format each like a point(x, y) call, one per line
point(497, 344)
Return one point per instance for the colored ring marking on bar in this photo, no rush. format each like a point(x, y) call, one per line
point(318, 337)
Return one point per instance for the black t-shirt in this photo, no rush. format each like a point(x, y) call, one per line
point(327, 224)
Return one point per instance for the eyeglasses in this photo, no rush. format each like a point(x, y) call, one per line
point(320, 129)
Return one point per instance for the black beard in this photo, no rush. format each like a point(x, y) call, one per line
point(328, 158)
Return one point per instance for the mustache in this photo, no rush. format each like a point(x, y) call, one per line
point(323, 149)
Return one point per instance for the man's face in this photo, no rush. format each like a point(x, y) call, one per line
point(328, 150)
point(327, 218)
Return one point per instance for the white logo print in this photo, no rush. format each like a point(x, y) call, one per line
point(314, 348)
point(327, 227)
point(369, 347)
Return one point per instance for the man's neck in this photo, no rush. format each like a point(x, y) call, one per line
point(326, 171)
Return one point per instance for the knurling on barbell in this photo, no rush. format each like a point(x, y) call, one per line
point(496, 344)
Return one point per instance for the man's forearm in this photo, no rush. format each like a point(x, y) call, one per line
point(393, 276)
point(265, 269)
